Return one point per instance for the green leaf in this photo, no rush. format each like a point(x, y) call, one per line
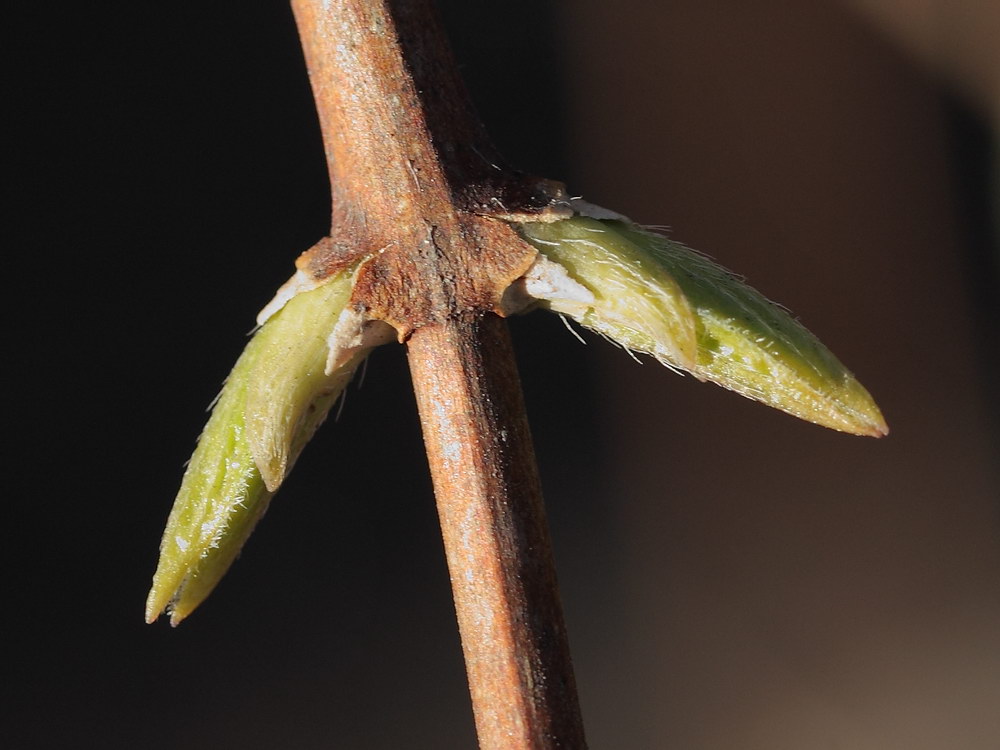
point(643, 285)
point(274, 399)
point(290, 379)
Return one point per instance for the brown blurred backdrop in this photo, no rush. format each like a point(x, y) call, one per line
point(784, 587)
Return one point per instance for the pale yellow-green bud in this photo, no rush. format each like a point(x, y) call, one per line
point(278, 393)
point(657, 297)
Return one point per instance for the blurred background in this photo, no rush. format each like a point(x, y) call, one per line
point(732, 578)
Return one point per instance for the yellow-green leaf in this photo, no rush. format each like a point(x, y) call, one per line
point(290, 375)
point(742, 341)
point(272, 402)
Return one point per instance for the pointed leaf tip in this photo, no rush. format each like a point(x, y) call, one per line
point(220, 500)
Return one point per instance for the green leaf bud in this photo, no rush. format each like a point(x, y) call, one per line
point(639, 289)
point(276, 396)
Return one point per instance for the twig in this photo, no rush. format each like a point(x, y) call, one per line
point(495, 535)
point(417, 187)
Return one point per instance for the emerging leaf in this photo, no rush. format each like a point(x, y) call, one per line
point(655, 296)
point(271, 404)
point(290, 382)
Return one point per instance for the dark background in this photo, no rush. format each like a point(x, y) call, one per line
point(732, 578)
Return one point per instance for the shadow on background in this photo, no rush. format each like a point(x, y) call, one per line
point(732, 577)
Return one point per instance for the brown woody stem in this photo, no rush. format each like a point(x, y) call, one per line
point(417, 194)
point(495, 535)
